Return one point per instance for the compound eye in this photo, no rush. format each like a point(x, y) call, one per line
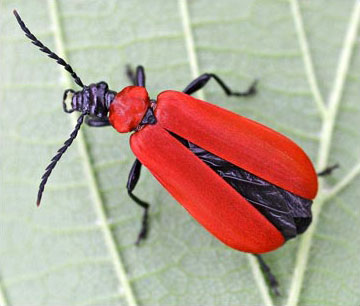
point(67, 100)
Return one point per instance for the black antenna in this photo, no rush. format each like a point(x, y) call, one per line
point(57, 157)
point(46, 50)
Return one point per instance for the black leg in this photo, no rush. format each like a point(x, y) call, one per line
point(202, 80)
point(137, 78)
point(270, 277)
point(327, 171)
point(134, 176)
point(140, 76)
point(97, 122)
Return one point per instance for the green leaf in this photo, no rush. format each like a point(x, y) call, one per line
point(78, 247)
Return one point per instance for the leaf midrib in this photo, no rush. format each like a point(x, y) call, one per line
point(190, 43)
point(3, 298)
point(90, 172)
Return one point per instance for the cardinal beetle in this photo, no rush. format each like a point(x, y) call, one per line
point(248, 185)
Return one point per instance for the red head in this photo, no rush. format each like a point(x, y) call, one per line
point(128, 108)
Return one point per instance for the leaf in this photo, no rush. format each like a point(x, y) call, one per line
point(78, 247)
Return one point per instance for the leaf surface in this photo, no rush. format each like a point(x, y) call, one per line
point(78, 247)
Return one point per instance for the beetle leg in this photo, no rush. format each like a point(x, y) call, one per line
point(270, 277)
point(134, 176)
point(137, 78)
point(202, 80)
point(327, 171)
point(97, 122)
point(140, 76)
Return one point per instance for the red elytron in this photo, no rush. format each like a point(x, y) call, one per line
point(206, 195)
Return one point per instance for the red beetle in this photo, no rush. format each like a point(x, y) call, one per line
point(248, 185)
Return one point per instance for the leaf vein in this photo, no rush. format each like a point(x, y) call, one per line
point(338, 87)
point(353, 174)
point(90, 172)
point(3, 298)
point(260, 281)
point(309, 67)
point(325, 143)
point(189, 41)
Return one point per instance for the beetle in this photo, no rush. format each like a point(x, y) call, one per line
point(248, 185)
